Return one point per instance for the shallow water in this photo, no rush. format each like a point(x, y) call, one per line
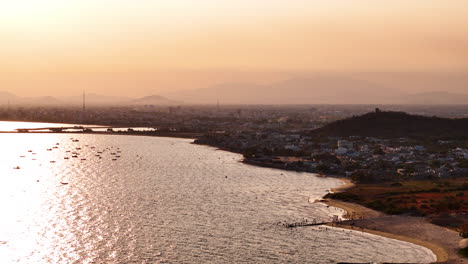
point(165, 200)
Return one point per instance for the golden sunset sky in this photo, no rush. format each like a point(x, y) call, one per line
point(137, 47)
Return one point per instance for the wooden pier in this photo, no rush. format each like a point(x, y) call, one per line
point(306, 223)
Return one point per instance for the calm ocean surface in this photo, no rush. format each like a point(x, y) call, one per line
point(164, 200)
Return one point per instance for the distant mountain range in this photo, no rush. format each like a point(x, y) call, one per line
point(314, 90)
point(91, 100)
point(396, 125)
point(317, 89)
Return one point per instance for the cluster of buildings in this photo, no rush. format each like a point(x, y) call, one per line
point(278, 136)
point(364, 159)
point(196, 119)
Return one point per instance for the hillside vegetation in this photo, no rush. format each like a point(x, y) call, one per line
point(396, 125)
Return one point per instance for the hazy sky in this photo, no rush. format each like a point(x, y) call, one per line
point(126, 47)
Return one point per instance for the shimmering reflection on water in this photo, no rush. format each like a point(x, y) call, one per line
point(165, 200)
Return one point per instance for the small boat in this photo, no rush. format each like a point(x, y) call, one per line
point(66, 158)
point(29, 150)
point(64, 183)
point(52, 161)
point(17, 168)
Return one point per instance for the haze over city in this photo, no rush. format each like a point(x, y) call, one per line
point(132, 49)
point(233, 131)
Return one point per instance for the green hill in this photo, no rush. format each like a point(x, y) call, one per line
point(396, 125)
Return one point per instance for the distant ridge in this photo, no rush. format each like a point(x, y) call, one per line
point(337, 88)
point(91, 99)
point(396, 125)
point(317, 89)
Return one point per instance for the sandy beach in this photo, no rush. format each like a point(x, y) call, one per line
point(441, 241)
point(347, 184)
point(353, 211)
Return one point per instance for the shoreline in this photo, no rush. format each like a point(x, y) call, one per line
point(347, 184)
point(356, 220)
point(354, 212)
point(440, 253)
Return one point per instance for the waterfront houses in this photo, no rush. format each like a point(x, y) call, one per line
point(365, 159)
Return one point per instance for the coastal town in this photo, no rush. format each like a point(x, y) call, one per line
point(405, 169)
point(363, 159)
point(282, 137)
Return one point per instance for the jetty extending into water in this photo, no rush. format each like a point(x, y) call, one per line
point(293, 225)
point(314, 222)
